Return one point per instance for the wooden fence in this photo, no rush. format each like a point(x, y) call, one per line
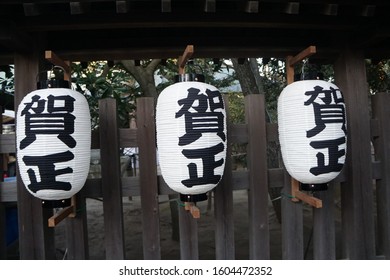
point(257, 179)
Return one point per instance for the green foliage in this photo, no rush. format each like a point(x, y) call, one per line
point(7, 79)
point(378, 75)
point(97, 80)
point(7, 88)
point(236, 107)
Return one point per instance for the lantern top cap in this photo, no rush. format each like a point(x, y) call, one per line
point(189, 77)
point(54, 79)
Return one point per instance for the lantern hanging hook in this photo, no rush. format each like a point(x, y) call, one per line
point(304, 64)
point(52, 73)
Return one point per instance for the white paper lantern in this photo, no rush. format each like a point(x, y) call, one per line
point(53, 142)
point(191, 138)
point(312, 131)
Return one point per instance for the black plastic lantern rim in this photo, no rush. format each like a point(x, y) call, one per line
point(314, 187)
point(193, 197)
point(189, 77)
point(56, 203)
point(53, 83)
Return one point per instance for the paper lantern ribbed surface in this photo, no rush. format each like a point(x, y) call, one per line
point(312, 130)
point(191, 136)
point(53, 142)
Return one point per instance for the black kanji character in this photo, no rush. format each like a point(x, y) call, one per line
point(201, 121)
point(57, 120)
point(47, 171)
point(334, 154)
point(330, 110)
point(209, 164)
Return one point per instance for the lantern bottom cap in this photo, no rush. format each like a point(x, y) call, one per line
point(56, 203)
point(193, 197)
point(314, 187)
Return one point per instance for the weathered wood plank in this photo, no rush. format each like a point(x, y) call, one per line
point(381, 112)
point(324, 232)
point(238, 133)
point(131, 185)
point(272, 132)
point(223, 206)
point(77, 232)
point(3, 229)
point(292, 224)
point(111, 180)
point(146, 136)
point(259, 242)
point(357, 192)
point(189, 249)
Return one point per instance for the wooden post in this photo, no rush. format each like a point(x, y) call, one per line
point(223, 205)
point(324, 234)
point(77, 231)
point(292, 213)
point(290, 62)
point(3, 228)
point(111, 179)
point(357, 192)
point(36, 240)
point(188, 235)
point(292, 224)
point(146, 136)
point(381, 114)
point(258, 177)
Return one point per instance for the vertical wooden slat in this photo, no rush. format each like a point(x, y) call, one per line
point(381, 112)
point(77, 232)
point(3, 245)
point(3, 229)
point(223, 206)
point(357, 192)
point(146, 136)
point(292, 224)
point(111, 179)
point(189, 249)
point(259, 247)
point(324, 232)
point(36, 240)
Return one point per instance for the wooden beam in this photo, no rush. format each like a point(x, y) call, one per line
point(306, 53)
point(188, 52)
point(60, 216)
